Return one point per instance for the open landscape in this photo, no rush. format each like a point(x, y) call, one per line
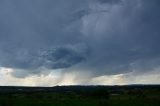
point(79, 52)
point(131, 95)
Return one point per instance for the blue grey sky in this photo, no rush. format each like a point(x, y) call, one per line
point(79, 41)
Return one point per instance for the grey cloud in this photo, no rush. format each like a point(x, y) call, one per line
point(47, 60)
point(110, 1)
point(55, 58)
point(114, 40)
point(30, 28)
point(124, 39)
point(62, 57)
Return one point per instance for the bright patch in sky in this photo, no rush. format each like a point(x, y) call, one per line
point(72, 78)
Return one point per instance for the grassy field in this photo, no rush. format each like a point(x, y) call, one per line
point(133, 97)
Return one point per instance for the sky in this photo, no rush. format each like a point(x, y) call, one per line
point(79, 42)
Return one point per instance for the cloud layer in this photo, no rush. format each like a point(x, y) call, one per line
point(100, 37)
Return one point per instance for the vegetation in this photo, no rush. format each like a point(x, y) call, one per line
point(80, 96)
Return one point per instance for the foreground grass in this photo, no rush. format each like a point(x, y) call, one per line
point(40, 102)
point(113, 101)
point(127, 98)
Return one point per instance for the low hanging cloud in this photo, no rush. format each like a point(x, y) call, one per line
point(100, 37)
point(74, 78)
point(62, 57)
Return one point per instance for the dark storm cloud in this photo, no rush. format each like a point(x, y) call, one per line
point(101, 36)
point(29, 27)
point(110, 1)
point(62, 57)
point(55, 58)
point(128, 38)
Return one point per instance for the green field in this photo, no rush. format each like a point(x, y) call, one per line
point(143, 97)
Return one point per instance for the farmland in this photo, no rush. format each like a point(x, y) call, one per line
point(129, 95)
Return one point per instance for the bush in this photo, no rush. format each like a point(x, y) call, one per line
point(98, 94)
